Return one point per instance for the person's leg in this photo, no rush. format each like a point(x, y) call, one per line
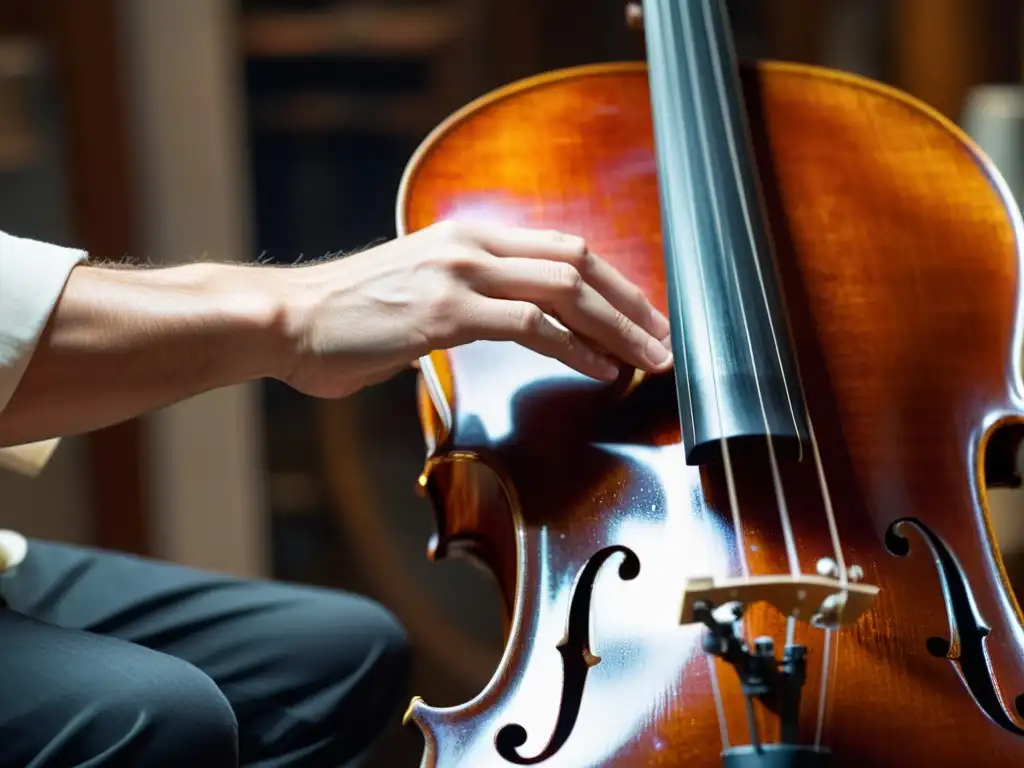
point(312, 675)
point(71, 698)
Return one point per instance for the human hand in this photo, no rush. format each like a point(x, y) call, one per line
point(359, 320)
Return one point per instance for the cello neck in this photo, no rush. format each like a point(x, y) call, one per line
point(735, 375)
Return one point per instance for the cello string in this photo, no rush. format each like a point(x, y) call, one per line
point(829, 647)
point(823, 483)
point(819, 468)
point(676, 92)
point(726, 455)
point(826, 654)
point(826, 661)
point(826, 495)
point(717, 695)
point(777, 485)
point(780, 496)
point(730, 478)
point(830, 515)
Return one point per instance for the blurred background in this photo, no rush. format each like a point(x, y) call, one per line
point(279, 129)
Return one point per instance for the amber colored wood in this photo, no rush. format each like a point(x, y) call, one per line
point(87, 43)
point(900, 260)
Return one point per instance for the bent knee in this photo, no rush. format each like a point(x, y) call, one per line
point(390, 658)
point(365, 674)
point(340, 673)
point(168, 714)
point(391, 643)
point(359, 680)
point(378, 652)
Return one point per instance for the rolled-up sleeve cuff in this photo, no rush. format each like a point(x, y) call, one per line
point(32, 278)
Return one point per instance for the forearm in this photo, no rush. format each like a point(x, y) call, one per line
point(121, 342)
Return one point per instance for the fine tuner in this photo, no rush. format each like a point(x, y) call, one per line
point(822, 601)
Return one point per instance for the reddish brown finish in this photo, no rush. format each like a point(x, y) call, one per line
point(899, 256)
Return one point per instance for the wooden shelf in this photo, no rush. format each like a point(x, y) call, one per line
point(319, 113)
point(352, 31)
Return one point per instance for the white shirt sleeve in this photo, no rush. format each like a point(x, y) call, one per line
point(32, 278)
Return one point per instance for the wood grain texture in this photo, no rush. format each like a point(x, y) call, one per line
point(900, 261)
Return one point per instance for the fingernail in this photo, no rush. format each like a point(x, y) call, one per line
point(659, 323)
point(656, 353)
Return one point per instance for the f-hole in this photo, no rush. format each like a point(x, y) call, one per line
point(577, 659)
point(968, 630)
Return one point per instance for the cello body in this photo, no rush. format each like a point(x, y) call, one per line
point(899, 253)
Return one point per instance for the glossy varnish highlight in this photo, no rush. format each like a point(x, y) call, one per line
point(899, 260)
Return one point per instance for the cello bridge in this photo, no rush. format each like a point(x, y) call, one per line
point(821, 601)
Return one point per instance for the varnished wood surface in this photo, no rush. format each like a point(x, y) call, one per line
point(900, 261)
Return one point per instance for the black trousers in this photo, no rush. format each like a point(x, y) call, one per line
point(108, 660)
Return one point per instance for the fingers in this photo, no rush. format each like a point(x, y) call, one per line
point(523, 243)
point(559, 288)
point(624, 296)
point(602, 277)
point(526, 324)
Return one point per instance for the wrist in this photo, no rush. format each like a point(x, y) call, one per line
point(256, 308)
point(241, 310)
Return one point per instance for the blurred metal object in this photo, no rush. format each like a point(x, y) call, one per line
point(634, 15)
point(993, 116)
point(20, 64)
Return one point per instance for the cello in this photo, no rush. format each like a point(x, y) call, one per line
point(779, 553)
